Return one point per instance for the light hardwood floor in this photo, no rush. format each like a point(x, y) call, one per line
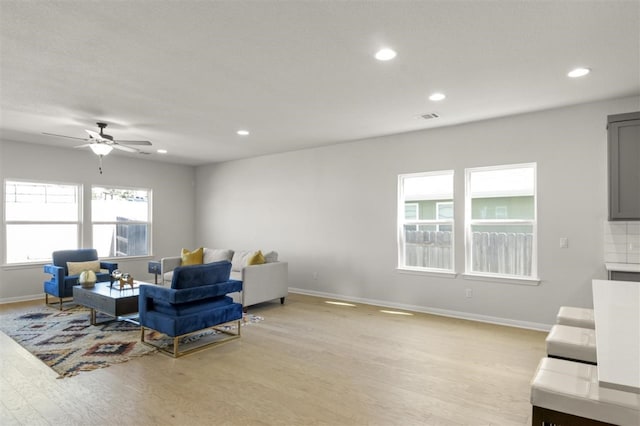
point(307, 363)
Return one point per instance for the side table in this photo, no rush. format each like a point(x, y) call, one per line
point(154, 268)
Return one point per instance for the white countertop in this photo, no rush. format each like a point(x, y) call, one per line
point(616, 308)
point(623, 267)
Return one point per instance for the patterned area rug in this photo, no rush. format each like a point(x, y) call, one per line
point(69, 344)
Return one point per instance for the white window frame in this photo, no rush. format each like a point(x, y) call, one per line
point(469, 222)
point(402, 221)
point(7, 222)
point(148, 222)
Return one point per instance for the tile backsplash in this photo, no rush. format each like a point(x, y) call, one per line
point(622, 242)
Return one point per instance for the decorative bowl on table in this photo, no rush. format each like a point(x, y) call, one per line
point(87, 279)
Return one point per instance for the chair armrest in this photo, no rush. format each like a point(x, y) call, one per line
point(57, 272)
point(169, 264)
point(145, 294)
point(109, 266)
point(155, 292)
point(265, 282)
point(273, 271)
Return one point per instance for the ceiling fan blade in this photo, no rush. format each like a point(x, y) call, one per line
point(63, 136)
point(94, 135)
point(124, 148)
point(135, 142)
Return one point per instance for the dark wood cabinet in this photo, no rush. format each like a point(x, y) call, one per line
point(624, 166)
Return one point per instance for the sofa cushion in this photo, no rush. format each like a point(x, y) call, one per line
point(256, 258)
point(271, 256)
point(243, 258)
point(240, 259)
point(76, 268)
point(191, 257)
point(174, 325)
point(200, 275)
point(216, 255)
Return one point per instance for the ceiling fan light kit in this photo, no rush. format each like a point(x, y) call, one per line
point(100, 148)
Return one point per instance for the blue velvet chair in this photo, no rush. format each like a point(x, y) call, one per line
point(60, 284)
point(197, 300)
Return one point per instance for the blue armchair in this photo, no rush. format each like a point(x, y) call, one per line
point(61, 283)
point(197, 300)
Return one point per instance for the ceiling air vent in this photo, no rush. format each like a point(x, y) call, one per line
point(430, 116)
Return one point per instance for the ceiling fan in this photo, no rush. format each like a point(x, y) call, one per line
point(102, 144)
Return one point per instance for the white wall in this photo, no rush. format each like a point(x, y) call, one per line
point(173, 213)
point(332, 211)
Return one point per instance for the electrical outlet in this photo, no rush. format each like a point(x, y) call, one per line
point(468, 293)
point(564, 242)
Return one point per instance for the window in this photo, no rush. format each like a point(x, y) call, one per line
point(501, 227)
point(120, 220)
point(425, 221)
point(40, 218)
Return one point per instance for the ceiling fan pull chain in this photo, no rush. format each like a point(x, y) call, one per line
point(100, 163)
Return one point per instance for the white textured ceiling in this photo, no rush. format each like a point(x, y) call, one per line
point(188, 74)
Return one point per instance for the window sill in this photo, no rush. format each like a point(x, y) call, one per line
point(136, 257)
point(502, 279)
point(24, 265)
point(428, 272)
point(41, 263)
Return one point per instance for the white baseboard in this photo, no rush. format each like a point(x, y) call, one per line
point(427, 310)
point(22, 298)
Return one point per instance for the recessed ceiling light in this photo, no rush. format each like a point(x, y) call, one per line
point(161, 151)
point(385, 54)
point(437, 97)
point(243, 132)
point(578, 72)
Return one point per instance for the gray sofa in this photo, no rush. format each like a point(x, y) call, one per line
point(261, 283)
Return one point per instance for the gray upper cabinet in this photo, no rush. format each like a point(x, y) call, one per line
point(624, 166)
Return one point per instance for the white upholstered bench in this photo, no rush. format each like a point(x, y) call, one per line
point(567, 393)
point(573, 343)
point(576, 317)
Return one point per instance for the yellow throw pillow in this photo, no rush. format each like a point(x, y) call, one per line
point(192, 257)
point(76, 267)
point(256, 259)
